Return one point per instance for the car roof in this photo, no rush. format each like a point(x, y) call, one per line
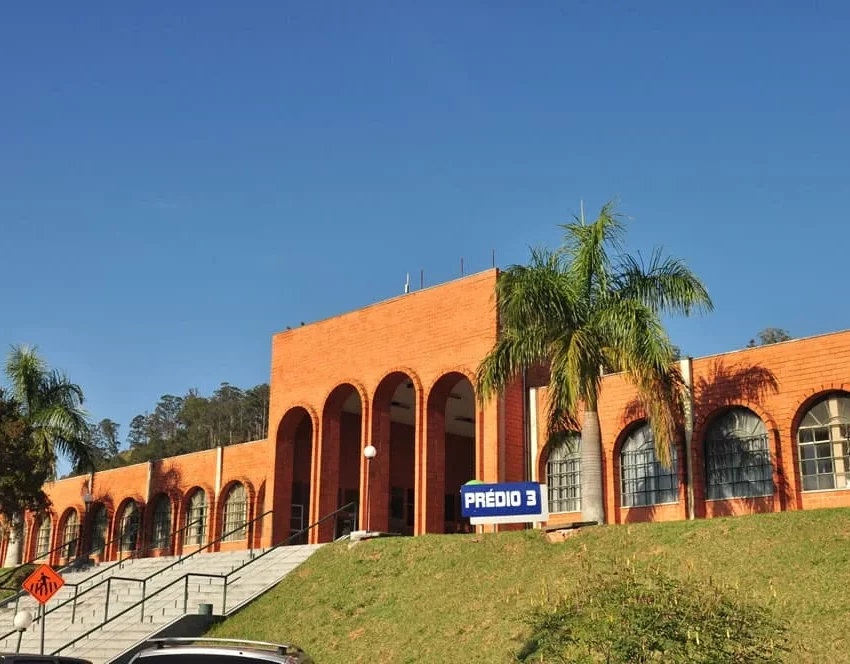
point(257, 650)
point(32, 657)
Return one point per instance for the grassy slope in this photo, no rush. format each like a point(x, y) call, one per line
point(440, 597)
point(12, 578)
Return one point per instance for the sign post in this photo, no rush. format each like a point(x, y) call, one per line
point(510, 502)
point(43, 584)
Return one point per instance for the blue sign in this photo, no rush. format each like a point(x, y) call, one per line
point(511, 502)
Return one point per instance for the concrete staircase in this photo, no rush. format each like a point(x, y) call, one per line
point(169, 595)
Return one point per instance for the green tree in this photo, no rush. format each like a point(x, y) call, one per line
point(579, 309)
point(770, 335)
point(52, 407)
point(23, 471)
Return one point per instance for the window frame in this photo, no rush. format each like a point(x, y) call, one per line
point(229, 515)
point(743, 445)
point(834, 424)
point(570, 462)
point(647, 449)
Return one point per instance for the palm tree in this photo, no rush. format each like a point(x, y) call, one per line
point(52, 408)
point(578, 310)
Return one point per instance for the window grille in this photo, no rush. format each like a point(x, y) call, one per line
point(563, 474)
point(162, 523)
point(130, 527)
point(196, 518)
point(70, 534)
point(42, 542)
point(235, 514)
point(100, 525)
point(737, 457)
point(824, 444)
point(644, 480)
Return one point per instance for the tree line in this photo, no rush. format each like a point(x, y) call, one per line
point(182, 424)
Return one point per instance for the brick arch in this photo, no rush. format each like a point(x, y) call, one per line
point(543, 455)
point(450, 371)
point(250, 497)
point(708, 419)
point(336, 396)
point(634, 423)
point(187, 495)
point(36, 521)
point(699, 441)
point(328, 468)
point(811, 399)
point(391, 466)
point(308, 409)
point(399, 371)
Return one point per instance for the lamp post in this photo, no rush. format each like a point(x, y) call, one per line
point(22, 621)
point(369, 452)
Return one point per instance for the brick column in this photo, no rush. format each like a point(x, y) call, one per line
point(378, 492)
point(326, 478)
point(431, 481)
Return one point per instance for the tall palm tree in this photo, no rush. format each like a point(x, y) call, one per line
point(578, 309)
point(52, 407)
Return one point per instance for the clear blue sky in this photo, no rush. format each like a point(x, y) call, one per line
point(178, 181)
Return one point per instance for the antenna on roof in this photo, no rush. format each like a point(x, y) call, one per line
point(407, 283)
point(422, 278)
point(461, 266)
point(494, 256)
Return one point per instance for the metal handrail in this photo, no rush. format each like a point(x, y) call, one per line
point(104, 547)
point(185, 580)
point(144, 581)
point(131, 554)
point(76, 586)
point(38, 558)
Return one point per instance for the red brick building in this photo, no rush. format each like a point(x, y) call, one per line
point(766, 429)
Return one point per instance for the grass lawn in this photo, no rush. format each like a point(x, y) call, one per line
point(16, 576)
point(465, 597)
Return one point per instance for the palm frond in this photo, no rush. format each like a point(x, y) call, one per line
point(536, 305)
point(640, 346)
point(586, 246)
point(665, 284)
point(25, 371)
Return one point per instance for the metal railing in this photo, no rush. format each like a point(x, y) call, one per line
point(76, 586)
point(184, 580)
point(39, 558)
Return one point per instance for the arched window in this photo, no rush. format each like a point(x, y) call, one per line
point(42, 540)
point(70, 534)
point(824, 440)
point(563, 473)
point(235, 514)
point(130, 523)
point(737, 457)
point(196, 518)
point(161, 523)
point(99, 528)
point(644, 480)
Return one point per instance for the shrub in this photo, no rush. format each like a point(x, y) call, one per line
point(635, 616)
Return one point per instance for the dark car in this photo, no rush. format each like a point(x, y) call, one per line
point(192, 650)
point(26, 658)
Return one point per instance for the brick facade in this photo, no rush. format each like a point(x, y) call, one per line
point(399, 375)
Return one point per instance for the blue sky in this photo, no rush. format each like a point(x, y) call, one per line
point(178, 181)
